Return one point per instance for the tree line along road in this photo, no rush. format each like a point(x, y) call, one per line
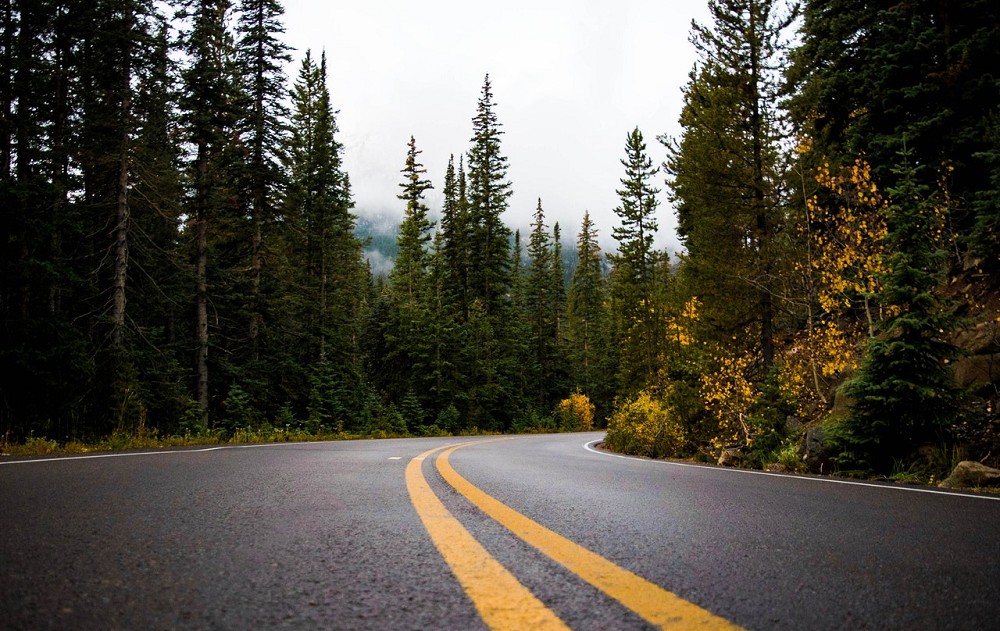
point(466, 533)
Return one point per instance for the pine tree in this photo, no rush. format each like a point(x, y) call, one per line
point(585, 319)
point(408, 352)
point(332, 283)
point(539, 306)
point(161, 279)
point(209, 118)
point(635, 263)
point(488, 194)
point(557, 281)
point(259, 61)
point(725, 172)
point(117, 49)
point(414, 232)
point(49, 306)
point(440, 382)
point(904, 395)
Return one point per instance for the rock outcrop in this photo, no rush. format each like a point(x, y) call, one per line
point(971, 474)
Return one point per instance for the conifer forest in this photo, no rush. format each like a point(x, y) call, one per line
point(181, 254)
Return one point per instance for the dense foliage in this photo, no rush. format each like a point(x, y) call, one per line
point(181, 252)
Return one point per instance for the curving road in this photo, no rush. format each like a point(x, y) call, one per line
point(462, 533)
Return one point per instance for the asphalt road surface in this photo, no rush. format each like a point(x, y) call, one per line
point(522, 532)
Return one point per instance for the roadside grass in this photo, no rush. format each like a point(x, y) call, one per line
point(121, 441)
point(35, 446)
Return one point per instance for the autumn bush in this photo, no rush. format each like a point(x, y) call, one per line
point(575, 413)
point(645, 426)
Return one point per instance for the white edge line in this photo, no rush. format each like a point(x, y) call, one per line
point(149, 453)
point(590, 447)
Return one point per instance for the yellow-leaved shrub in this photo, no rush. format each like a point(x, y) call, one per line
point(575, 413)
point(645, 426)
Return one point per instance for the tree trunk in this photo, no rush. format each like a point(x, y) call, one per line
point(122, 213)
point(762, 220)
point(201, 286)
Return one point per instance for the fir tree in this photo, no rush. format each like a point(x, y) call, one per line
point(904, 395)
point(488, 194)
point(455, 237)
point(539, 306)
point(725, 173)
point(414, 233)
point(209, 119)
point(636, 260)
point(585, 321)
point(259, 61)
point(331, 281)
point(408, 349)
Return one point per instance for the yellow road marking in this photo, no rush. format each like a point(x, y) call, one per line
point(501, 600)
point(656, 605)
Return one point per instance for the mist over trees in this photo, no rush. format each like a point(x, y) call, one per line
point(182, 257)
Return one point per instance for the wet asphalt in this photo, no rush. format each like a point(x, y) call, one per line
point(323, 535)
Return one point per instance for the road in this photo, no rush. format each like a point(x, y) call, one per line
point(520, 532)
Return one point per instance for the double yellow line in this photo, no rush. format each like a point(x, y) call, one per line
point(501, 600)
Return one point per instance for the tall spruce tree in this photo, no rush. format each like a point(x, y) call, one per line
point(209, 117)
point(331, 280)
point(415, 231)
point(635, 264)
point(586, 321)
point(404, 369)
point(904, 394)
point(47, 260)
point(540, 303)
point(161, 279)
point(260, 58)
point(488, 195)
point(725, 173)
point(116, 40)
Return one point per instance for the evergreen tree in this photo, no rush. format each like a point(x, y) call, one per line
point(635, 263)
point(586, 339)
point(414, 233)
point(558, 284)
point(477, 250)
point(259, 62)
point(333, 291)
point(408, 349)
point(48, 357)
point(488, 194)
point(161, 281)
point(539, 300)
point(725, 172)
point(440, 382)
point(209, 118)
point(904, 395)
point(117, 49)
point(455, 238)
point(869, 78)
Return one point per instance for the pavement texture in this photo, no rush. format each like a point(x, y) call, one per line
point(324, 535)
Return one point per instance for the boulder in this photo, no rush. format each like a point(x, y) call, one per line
point(969, 474)
point(842, 403)
point(976, 371)
point(982, 339)
point(731, 457)
point(813, 450)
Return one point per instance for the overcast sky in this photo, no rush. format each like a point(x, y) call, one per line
point(570, 78)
